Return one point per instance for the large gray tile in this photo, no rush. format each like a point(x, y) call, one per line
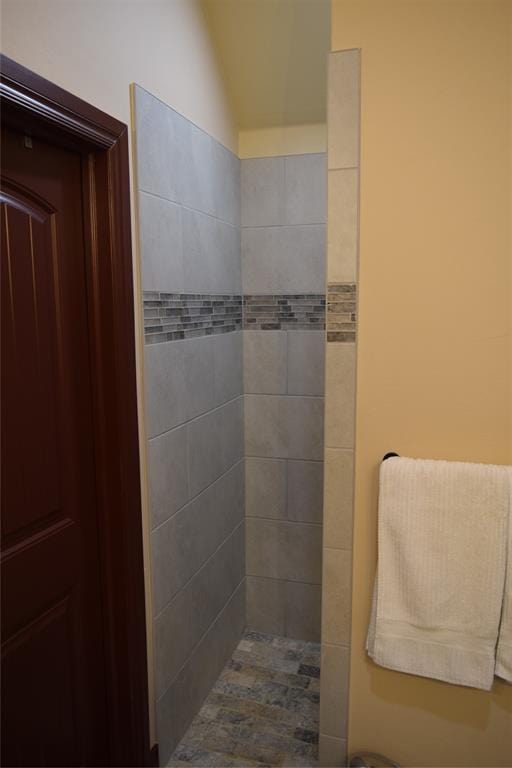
point(181, 625)
point(198, 182)
point(305, 491)
point(227, 184)
point(283, 550)
point(266, 605)
point(164, 386)
point(334, 690)
point(262, 190)
point(303, 603)
point(199, 375)
point(211, 254)
point(183, 543)
point(204, 457)
point(230, 432)
point(265, 426)
point(161, 140)
point(183, 699)
point(305, 427)
point(306, 189)
point(160, 244)
point(168, 476)
point(343, 109)
point(306, 362)
point(265, 483)
point(265, 362)
point(288, 259)
point(228, 366)
point(343, 226)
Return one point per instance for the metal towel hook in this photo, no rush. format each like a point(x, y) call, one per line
point(390, 455)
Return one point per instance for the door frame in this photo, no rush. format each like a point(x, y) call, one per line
point(39, 108)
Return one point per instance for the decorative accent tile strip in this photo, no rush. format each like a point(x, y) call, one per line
point(172, 316)
point(341, 312)
point(283, 312)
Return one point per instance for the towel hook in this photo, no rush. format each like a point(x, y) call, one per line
point(390, 455)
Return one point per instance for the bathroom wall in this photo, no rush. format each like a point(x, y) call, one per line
point(342, 256)
point(434, 338)
point(283, 278)
point(189, 214)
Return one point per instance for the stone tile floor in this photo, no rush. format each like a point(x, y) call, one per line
point(262, 711)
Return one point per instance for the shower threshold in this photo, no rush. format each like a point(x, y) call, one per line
point(262, 711)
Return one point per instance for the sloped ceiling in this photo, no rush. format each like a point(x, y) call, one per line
point(273, 54)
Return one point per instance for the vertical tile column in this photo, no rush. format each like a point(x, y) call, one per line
point(283, 266)
point(342, 254)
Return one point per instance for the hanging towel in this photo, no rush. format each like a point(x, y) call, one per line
point(504, 649)
point(441, 569)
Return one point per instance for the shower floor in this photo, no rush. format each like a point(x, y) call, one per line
point(262, 711)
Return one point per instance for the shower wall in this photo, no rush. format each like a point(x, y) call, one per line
point(283, 268)
point(189, 215)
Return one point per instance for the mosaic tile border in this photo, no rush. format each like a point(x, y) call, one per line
point(341, 312)
point(174, 316)
point(281, 312)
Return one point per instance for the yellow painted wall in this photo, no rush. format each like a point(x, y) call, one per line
point(95, 49)
point(435, 297)
point(283, 140)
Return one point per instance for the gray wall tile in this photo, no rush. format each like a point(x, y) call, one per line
point(283, 550)
point(340, 375)
point(332, 752)
point(266, 605)
point(305, 189)
point(263, 191)
point(211, 254)
point(283, 259)
point(283, 427)
point(265, 487)
point(305, 427)
point(227, 366)
point(183, 699)
point(197, 183)
point(204, 458)
point(161, 135)
point(164, 386)
point(183, 543)
point(230, 430)
point(265, 362)
point(184, 621)
point(343, 109)
point(306, 362)
point(265, 426)
point(160, 244)
point(303, 603)
point(305, 491)
point(168, 475)
point(227, 184)
point(337, 580)
point(199, 375)
point(339, 494)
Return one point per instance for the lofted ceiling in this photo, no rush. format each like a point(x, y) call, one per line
point(273, 55)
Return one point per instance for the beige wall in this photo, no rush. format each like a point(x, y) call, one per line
point(434, 343)
point(95, 49)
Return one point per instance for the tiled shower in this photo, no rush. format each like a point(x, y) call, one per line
point(233, 281)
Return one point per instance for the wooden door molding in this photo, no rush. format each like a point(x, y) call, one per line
point(41, 109)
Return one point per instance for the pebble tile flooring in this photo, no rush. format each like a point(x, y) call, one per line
point(262, 711)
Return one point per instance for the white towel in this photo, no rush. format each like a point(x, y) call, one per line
point(504, 649)
point(441, 569)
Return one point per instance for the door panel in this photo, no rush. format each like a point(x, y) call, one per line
point(53, 665)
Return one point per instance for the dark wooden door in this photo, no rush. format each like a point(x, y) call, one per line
point(53, 657)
